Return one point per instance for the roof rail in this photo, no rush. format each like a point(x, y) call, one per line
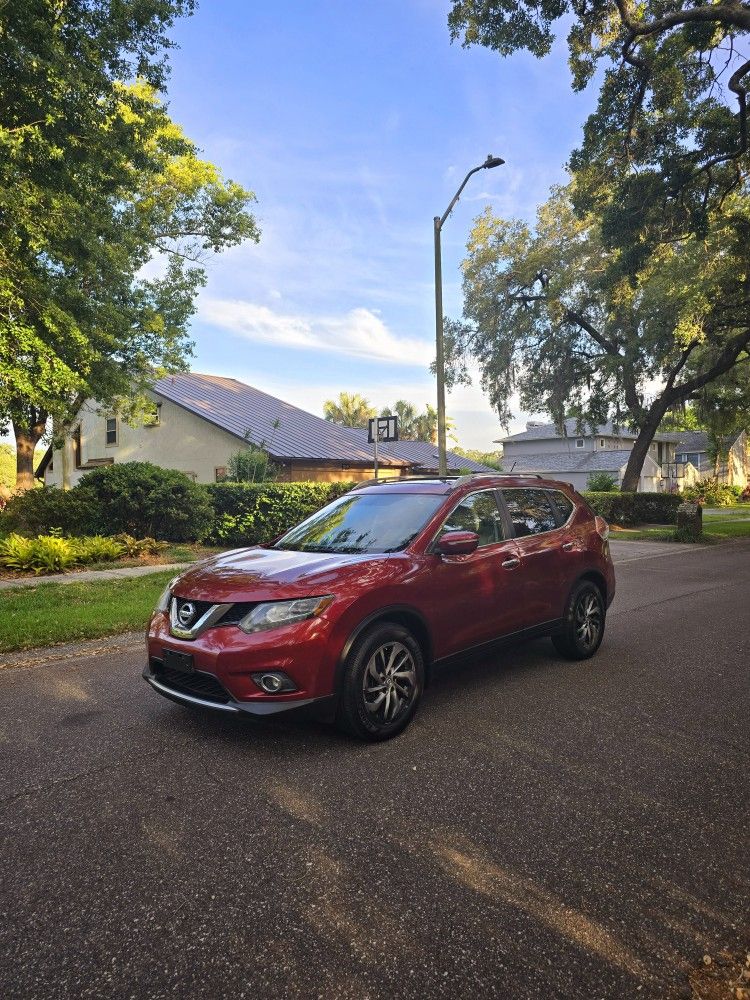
point(455, 481)
point(406, 479)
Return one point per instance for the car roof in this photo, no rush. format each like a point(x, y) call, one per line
point(450, 484)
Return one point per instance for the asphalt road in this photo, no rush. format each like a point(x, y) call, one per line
point(544, 828)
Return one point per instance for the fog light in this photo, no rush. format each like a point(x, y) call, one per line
point(274, 682)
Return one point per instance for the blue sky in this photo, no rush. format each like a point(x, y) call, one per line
point(354, 123)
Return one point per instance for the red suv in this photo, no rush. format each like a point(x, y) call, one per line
point(347, 613)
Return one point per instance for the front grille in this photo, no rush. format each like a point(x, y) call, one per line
point(190, 682)
point(201, 607)
point(236, 613)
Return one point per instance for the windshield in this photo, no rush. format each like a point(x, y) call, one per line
point(384, 522)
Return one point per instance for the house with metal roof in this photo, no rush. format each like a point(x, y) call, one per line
point(424, 456)
point(733, 468)
point(197, 422)
point(578, 449)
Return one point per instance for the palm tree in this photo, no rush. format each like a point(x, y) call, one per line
point(351, 410)
point(407, 419)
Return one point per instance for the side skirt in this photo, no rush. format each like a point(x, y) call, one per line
point(511, 639)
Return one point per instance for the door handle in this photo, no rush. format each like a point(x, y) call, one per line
point(567, 546)
point(511, 563)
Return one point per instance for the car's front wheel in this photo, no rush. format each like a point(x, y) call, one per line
point(584, 623)
point(383, 682)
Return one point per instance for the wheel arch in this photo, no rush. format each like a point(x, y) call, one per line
point(597, 578)
point(399, 614)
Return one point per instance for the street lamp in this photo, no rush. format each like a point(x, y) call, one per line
point(491, 161)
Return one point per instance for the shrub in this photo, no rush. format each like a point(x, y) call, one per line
point(140, 546)
point(44, 554)
point(40, 511)
point(601, 482)
point(97, 549)
point(143, 499)
point(635, 508)
point(710, 492)
point(250, 513)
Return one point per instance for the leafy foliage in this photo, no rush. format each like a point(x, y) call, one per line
point(664, 131)
point(350, 410)
point(627, 509)
point(95, 182)
point(132, 546)
point(143, 499)
point(97, 548)
point(601, 482)
point(44, 554)
point(48, 508)
point(249, 514)
point(550, 315)
point(492, 459)
point(711, 493)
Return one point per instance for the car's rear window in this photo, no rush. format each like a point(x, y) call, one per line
point(371, 522)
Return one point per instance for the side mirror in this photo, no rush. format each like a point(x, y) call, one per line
point(457, 543)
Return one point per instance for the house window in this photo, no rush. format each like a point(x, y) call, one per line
point(220, 473)
point(601, 442)
point(152, 416)
point(579, 442)
point(111, 431)
point(77, 446)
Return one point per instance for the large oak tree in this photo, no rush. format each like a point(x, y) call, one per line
point(550, 313)
point(107, 211)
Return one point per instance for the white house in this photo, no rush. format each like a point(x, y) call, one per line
point(198, 422)
point(583, 449)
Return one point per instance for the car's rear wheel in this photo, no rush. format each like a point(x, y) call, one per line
point(383, 682)
point(584, 623)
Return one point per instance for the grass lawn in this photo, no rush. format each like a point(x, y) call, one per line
point(719, 523)
point(52, 613)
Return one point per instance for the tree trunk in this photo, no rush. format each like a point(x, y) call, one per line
point(25, 444)
point(28, 437)
point(640, 449)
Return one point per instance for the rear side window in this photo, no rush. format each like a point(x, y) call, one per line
point(530, 512)
point(479, 513)
point(563, 506)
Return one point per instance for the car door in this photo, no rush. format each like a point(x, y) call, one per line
point(535, 529)
point(473, 597)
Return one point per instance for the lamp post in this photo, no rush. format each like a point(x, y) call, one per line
point(491, 161)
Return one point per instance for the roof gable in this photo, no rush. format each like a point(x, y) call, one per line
point(286, 432)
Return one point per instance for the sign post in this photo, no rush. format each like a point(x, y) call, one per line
point(381, 429)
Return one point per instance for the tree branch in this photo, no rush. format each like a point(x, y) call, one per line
point(726, 360)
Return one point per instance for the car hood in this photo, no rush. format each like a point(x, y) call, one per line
point(264, 574)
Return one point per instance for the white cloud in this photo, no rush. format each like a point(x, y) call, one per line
point(359, 332)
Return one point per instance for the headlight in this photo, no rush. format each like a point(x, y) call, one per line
point(163, 603)
point(272, 614)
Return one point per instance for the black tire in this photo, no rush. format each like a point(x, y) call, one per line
point(585, 617)
point(382, 684)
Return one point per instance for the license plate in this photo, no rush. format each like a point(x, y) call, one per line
point(177, 661)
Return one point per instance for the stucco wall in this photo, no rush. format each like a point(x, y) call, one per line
point(182, 441)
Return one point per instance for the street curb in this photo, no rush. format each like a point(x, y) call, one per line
point(92, 575)
point(72, 650)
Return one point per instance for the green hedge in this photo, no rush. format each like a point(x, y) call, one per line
point(635, 508)
point(37, 512)
point(249, 513)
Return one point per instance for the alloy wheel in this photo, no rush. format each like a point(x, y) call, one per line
point(588, 620)
point(389, 683)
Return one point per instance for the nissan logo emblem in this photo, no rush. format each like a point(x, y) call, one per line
point(185, 613)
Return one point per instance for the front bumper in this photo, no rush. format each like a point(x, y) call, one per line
point(323, 707)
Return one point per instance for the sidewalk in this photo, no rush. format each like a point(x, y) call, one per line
point(90, 575)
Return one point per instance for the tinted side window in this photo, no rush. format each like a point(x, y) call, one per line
point(530, 512)
point(562, 505)
point(478, 513)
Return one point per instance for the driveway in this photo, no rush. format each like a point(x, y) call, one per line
point(544, 829)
